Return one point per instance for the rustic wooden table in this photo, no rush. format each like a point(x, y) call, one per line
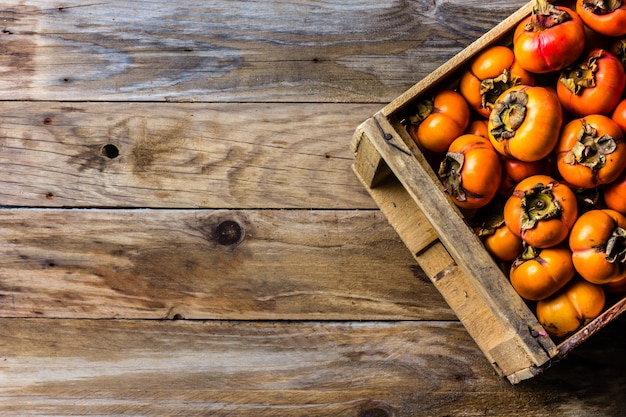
point(182, 234)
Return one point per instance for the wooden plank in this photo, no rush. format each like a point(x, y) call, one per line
point(347, 51)
point(400, 369)
point(209, 264)
point(227, 155)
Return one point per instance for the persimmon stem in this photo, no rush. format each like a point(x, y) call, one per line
point(591, 150)
point(616, 246)
point(601, 7)
point(450, 174)
point(582, 75)
point(545, 16)
point(538, 203)
point(508, 115)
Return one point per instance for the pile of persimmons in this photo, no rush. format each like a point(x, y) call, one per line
point(531, 141)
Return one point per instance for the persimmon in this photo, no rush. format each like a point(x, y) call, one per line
point(471, 171)
point(525, 122)
point(538, 273)
point(439, 120)
point(615, 194)
point(570, 308)
point(593, 85)
point(541, 210)
point(607, 17)
point(591, 151)
point(489, 74)
point(478, 127)
point(550, 39)
point(501, 243)
point(598, 245)
point(514, 171)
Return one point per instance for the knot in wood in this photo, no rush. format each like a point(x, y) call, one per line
point(228, 232)
point(110, 151)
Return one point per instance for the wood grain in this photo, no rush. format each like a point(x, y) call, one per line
point(209, 264)
point(179, 155)
point(285, 51)
point(383, 369)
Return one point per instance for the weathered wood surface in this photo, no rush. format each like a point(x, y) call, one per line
point(209, 264)
point(280, 51)
point(365, 369)
point(222, 111)
point(183, 155)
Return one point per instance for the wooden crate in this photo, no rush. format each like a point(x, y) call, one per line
point(405, 187)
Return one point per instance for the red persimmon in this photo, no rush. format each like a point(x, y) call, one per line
point(593, 85)
point(550, 39)
point(591, 151)
point(607, 17)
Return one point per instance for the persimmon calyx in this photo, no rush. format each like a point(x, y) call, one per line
point(450, 175)
point(545, 16)
point(620, 51)
point(601, 7)
point(490, 219)
point(424, 109)
point(528, 254)
point(590, 150)
point(581, 75)
point(491, 88)
point(616, 246)
point(508, 115)
point(538, 204)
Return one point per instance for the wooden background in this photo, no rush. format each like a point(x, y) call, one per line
point(182, 234)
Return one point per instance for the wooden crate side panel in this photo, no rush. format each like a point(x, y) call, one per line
point(369, 165)
point(406, 219)
point(501, 304)
point(499, 344)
